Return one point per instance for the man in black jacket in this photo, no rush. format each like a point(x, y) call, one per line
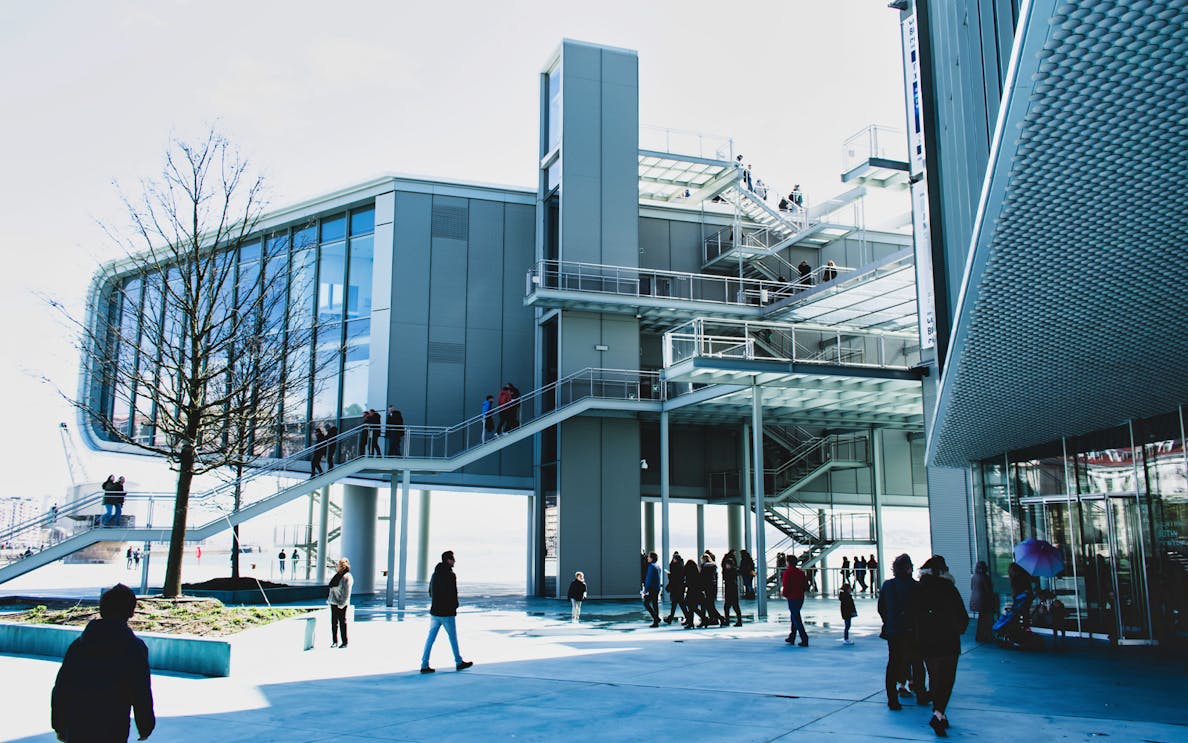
point(104, 675)
point(443, 592)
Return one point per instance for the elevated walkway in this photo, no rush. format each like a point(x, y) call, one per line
point(426, 449)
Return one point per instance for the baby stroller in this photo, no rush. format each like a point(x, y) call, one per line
point(1010, 630)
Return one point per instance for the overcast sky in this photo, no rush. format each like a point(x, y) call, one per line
point(323, 95)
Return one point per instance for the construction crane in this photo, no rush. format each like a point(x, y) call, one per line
point(74, 465)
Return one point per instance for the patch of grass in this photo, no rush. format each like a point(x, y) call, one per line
point(203, 617)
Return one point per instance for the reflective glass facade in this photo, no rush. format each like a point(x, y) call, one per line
point(326, 265)
point(1115, 502)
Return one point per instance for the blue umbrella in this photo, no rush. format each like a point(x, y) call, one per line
point(1040, 558)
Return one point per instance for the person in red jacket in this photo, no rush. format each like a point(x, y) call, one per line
point(795, 583)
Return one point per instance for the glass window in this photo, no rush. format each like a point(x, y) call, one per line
point(333, 229)
point(553, 175)
point(276, 282)
point(554, 122)
point(331, 279)
point(304, 238)
point(363, 221)
point(301, 290)
point(326, 370)
point(249, 252)
point(127, 343)
point(355, 367)
point(359, 291)
point(296, 400)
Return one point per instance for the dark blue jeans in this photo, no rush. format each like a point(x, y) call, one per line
point(794, 607)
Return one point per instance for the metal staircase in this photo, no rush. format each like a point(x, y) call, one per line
point(426, 449)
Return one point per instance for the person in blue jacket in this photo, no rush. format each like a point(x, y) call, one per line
point(651, 589)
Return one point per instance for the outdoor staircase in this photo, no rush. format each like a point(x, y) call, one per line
point(426, 449)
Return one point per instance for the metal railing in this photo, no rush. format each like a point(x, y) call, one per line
point(685, 142)
point(874, 141)
point(808, 344)
point(420, 442)
point(661, 284)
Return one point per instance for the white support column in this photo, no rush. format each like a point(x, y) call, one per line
point(734, 522)
point(760, 520)
point(359, 506)
point(323, 518)
point(403, 539)
point(390, 586)
point(745, 458)
point(700, 532)
point(876, 497)
point(422, 538)
point(665, 534)
point(309, 538)
point(531, 552)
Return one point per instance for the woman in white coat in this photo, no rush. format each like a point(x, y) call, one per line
point(339, 600)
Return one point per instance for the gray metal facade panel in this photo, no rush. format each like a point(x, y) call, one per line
point(581, 223)
point(580, 140)
point(579, 520)
point(653, 244)
point(621, 520)
point(410, 302)
point(620, 174)
point(519, 333)
point(484, 267)
point(579, 333)
point(1067, 323)
point(482, 378)
point(685, 246)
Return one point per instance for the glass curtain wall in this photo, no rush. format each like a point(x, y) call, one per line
point(1115, 503)
point(328, 262)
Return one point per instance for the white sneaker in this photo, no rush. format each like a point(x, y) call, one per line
point(847, 642)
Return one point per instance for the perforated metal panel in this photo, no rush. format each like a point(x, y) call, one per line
point(1073, 314)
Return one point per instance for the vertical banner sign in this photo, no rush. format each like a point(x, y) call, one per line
point(911, 76)
point(922, 237)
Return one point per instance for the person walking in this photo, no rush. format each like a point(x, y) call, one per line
point(709, 589)
point(730, 589)
point(746, 564)
point(293, 562)
point(502, 403)
point(848, 610)
point(281, 559)
point(488, 418)
point(692, 605)
point(128, 559)
point(331, 444)
point(113, 500)
point(860, 572)
point(374, 421)
point(845, 570)
point(104, 677)
point(395, 432)
point(339, 599)
point(315, 462)
point(940, 622)
point(793, 584)
point(651, 589)
point(984, 601)
point(513, 410)
point(872, 572)
point(897, 607)
point(676, 588)
point(577, 594)
point(443, 611)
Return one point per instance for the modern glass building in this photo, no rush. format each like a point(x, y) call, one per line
point(1045, 133)
point(677, 336)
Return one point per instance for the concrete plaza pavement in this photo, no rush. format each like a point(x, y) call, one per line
point(612, 677)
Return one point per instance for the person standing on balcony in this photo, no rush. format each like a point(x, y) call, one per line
point(374, 420)
point(395, 431)
point(281, 559)
point(830, 272)
point(793, 585)
point(796, 197)
point(488, 418)
point(806, 273)
point(117, 498)
point(293, 562)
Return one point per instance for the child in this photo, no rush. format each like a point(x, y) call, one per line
point(577, 593)
point(848, 610)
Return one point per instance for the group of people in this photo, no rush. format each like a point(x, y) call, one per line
point(374, 427)
point(858, 570)
point(293, 558)
point(829, 273)
point(794, 200)
point(113, 501)
point(923, 621)
point(501, 415)
point(132, 558)
point(692, 587)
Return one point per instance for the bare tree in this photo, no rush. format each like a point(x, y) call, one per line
point(193, 334)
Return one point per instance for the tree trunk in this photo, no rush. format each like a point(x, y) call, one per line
point(177, 538)
point(235, 528)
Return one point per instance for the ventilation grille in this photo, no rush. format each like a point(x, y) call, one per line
point(446, 353)
point(449, 222)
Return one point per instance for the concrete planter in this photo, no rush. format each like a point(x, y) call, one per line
point(198, 655)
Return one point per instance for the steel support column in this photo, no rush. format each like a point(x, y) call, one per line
point(403, 583)
point(390, 584)
point(760, 520)
point(423, 538)
point(745, 458)
point(665, 545)
point(876, 499)
point(323, 517)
